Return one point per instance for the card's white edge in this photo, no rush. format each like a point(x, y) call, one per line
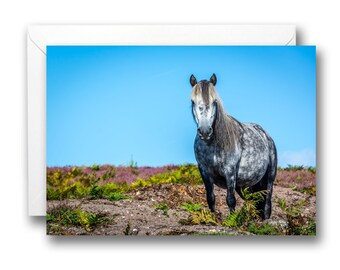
point(40, 36)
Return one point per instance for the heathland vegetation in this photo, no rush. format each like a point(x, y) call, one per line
point(107, 199)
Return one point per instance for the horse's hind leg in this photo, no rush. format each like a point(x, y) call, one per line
point(264, 206)
point(266, 183)
point(267, 204)
point(271, 175)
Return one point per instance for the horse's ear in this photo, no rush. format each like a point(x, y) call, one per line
point(193, 80)
point(213, 79)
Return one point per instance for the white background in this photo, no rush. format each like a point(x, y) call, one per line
point(23, 241)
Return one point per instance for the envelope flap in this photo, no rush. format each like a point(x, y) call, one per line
point(162, 35)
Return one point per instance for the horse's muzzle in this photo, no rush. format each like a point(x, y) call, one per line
point(205, 133)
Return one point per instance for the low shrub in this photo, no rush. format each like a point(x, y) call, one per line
point(191, 207)
point(115, 196)
point(163, 207)
point(297, 224)
point(262, 229)
point(202, 216)
point(64, 215)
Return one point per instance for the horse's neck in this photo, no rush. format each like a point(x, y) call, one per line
point(228, 132)
point(238, 125)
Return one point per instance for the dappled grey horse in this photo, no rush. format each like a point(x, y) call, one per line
point(230, 154)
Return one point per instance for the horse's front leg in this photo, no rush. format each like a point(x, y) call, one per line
point(209, 188)
point(231, 184)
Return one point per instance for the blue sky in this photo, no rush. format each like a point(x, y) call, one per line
point(114, 104)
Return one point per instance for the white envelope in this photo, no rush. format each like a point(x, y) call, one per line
point(38, 37)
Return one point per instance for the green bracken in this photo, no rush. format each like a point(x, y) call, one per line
point(191, 207)
point(116, 196)
point(203, 216)
point(248, 212)
point(262, 229)
point(64, 215)
point(163, 207)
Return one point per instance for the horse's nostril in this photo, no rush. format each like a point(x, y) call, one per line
point(199, 131)
point(210, 130)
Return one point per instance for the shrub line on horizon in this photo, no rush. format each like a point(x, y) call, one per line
point(97, 181)
point(59, 187)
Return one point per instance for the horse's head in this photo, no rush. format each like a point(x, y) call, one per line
point(204, 105)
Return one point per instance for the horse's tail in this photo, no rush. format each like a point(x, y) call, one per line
point(273, 159)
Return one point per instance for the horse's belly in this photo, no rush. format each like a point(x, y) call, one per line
point(252, 168)
point(220, 181)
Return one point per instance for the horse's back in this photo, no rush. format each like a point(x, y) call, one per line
point(256, 151)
